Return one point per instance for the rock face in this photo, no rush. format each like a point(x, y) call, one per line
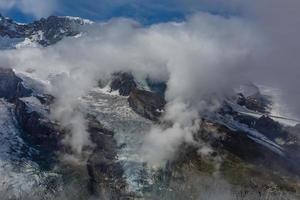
point(295, 130)
point(264, 125)
point(29, 112)
point(45, 31)
point(255, 102)
point(54, 29)
point(9, 28)
point(269, 128)
point(11, 86)
point(124, 82)
point(238, 144)
point(106, 174)
point(37, 128)
point(148, 104)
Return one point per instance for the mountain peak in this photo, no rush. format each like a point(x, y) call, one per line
point(46, 31)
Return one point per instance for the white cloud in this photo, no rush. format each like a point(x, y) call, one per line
point(36, 8)
point(203, 57)
point(197, 58)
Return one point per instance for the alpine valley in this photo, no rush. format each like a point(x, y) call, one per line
point(118, 136)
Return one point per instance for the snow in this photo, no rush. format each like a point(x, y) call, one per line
point(34, 105)
point(113, 111)
point(253, 134)
point(38, 85)
point(18, 175)
point(84, 21)
point(280, 111)
point(26, 43)
point(107, 90)
point(38, 36)
point(78, 35)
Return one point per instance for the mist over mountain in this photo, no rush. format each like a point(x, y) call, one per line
point(205, 107)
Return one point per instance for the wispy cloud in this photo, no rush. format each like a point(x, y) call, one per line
point(35, 8)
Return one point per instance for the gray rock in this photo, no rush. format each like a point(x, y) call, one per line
point(37, 128)
point(44, 31)
point(123, 82)
point(255, 102)
point(106, 174)
point(148, 104)
point(11, 86)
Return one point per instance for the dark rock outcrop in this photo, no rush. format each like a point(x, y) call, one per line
point(265, 125)
point(37, 128)
point(44, 31)
point(157, 86)
point(256, 102)
point(269, 128)
point(10, 29)
point(124, 82)
point(54, 29)
point(11, 86)
point(240, 145)
point(148, 104)
point(106, 174)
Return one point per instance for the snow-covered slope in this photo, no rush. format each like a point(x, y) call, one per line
point(19, 175)
point(43, 32)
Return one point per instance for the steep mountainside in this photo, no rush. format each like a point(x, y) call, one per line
point(43, 32)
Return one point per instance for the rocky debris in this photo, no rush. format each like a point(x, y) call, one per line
point(148, 104)
point(37, 128)
point(123, 82)
point(106, 174)
point(11, 87)
point(46, 31)
point(256, 102)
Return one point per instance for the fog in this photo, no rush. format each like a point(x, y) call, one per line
point(197, 58)
point(201, 59)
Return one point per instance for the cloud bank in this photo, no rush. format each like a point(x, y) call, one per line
point(199, 59)
point(36, 8)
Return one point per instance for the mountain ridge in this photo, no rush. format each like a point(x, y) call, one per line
point(45, 32)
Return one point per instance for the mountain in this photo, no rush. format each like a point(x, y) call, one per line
point(241, 150)
point(43, 32)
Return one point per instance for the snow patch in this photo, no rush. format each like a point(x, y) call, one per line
point(84, 21)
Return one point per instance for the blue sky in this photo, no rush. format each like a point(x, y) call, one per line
point(145, 11)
